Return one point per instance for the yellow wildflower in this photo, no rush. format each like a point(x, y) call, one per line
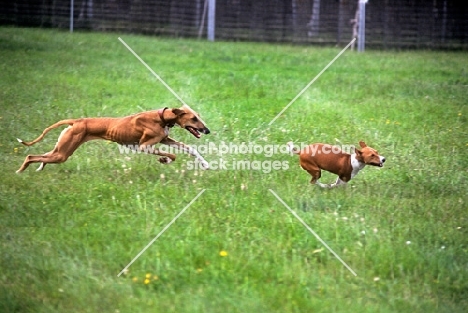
point(223, 253)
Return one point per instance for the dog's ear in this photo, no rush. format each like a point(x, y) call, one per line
point(178, 112)
point(362, 144)
point(357, 151)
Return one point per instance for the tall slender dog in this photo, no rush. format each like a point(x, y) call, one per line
point(317, 157)
point(139, 130)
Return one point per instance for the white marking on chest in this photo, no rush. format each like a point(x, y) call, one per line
point(166, 131)
point(356, 165)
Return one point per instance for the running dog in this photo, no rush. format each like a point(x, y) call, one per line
point(318, 156)
point(139, 130)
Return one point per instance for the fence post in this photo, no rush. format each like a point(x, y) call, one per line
point(211, 19)
point(72, 4)
point(362, 25)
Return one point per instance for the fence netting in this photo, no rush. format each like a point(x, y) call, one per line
point(389, 24)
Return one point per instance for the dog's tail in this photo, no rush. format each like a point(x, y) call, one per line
point(60, 123)
point(293, 149)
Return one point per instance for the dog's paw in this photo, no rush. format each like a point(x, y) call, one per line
point(205, 165)
point(165, 160)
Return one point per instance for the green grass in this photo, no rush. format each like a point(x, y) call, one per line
point(66, 232)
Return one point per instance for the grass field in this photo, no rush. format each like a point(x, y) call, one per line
point(66, 232)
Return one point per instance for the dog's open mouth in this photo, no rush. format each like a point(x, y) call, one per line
point(378, 164)
point(194, 131)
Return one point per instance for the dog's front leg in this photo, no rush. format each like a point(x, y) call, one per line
point(181, 146)
point(324, 185)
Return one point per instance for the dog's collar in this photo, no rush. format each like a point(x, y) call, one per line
point(161, 116)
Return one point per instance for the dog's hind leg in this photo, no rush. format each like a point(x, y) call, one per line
point(69, 140)
point(316, 174)
point(339, 182)
point(41, 167)
point(43, 159)
point(314, 171)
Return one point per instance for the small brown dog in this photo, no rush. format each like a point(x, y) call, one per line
point(139, 130)
point(318, 156)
